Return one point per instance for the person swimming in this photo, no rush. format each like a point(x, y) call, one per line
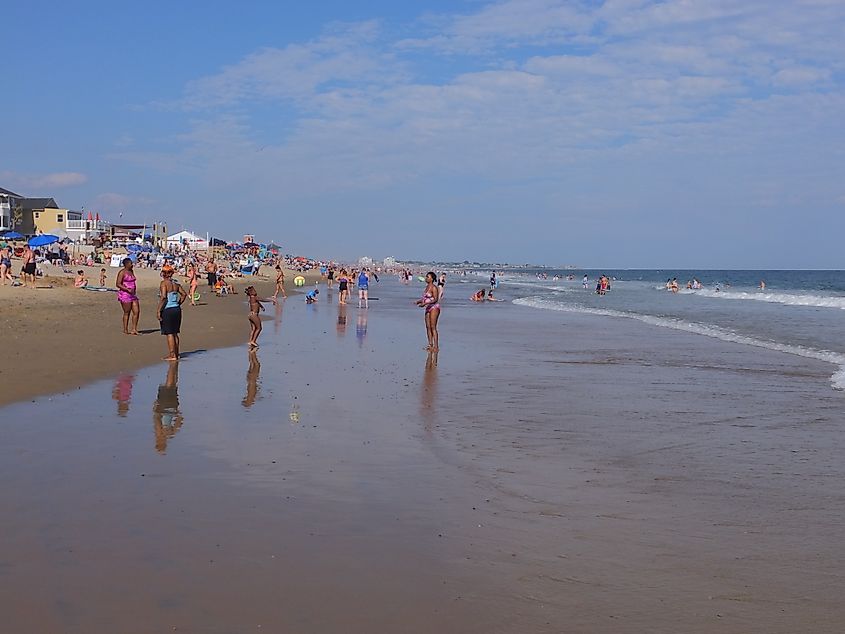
point(478, 296)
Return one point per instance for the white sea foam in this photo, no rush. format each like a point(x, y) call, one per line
point(789, 299)
point(707, 330)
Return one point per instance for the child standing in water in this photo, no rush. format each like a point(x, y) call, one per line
point(280, 283)
point(255, 307)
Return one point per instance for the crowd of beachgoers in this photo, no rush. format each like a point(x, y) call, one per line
point(22, 263)
point(228, 270)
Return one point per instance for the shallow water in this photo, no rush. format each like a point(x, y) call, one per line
point(548, 471)
point(799, 312)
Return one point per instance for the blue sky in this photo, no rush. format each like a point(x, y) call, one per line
point(626, 133)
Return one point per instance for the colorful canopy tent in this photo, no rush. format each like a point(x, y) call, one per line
point(192, 240)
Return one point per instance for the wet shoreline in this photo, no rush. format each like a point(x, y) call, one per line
point(527, 479)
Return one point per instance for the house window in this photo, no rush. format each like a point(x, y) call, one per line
point(60, 218)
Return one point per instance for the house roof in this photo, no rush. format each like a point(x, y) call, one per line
point(8, 193)
point(38, 203)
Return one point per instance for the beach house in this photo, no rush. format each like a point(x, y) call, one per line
point(30, 212)
point(8, 203)
point(44, 215)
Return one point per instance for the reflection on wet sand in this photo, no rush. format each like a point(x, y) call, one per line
point(167, 419)
point(277, 317)
point(428, 394)
point(252, 379)
point(341, 320)
point(122, 393)
point(361, 327)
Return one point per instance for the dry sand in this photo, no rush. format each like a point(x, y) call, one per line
point(57, 337)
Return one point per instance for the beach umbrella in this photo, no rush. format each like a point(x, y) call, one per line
point(13, 235)
point(43, 240)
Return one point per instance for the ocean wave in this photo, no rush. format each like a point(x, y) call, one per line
point(788, 299)
point(707, 330)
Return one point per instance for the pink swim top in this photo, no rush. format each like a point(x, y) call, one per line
point(428, 302)
point(128, 282)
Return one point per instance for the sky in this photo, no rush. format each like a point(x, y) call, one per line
point(624, 133)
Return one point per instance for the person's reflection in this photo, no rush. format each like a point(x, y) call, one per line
point(122, 393)
point(277, 318)
point(428, 395)
point(361, 327)
point(167, 419)
point(252, 379)
point(341, 320)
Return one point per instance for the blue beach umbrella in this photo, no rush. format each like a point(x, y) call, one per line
point(12, 235)
point(43, 240)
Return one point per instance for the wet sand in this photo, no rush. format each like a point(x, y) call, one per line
point(61, 338)
point(537, 478)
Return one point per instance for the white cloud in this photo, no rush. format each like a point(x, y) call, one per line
point(800, 75)
point(113, 203)
point(609, 107)
point(54, 180)
point(513, 21)
point(344, 56)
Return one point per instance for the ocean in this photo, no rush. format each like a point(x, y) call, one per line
point(798, 313)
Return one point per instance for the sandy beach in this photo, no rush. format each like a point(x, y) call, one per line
point(342, 480)
point(58, 338)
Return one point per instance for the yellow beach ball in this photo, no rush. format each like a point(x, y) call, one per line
point(299, 281)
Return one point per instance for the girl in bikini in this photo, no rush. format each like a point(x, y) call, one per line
point(255, 307)
point(430, 301)
point(280, 283)
point(193, 282)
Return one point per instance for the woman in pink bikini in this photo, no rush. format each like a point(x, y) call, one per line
point(431, 302)
point(126, 287)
